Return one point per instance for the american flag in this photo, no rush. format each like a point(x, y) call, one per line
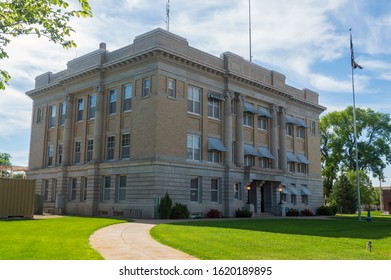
point(354, 64)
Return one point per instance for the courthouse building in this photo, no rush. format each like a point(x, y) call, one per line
point(115, 131)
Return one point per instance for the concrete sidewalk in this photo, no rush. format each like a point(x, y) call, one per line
point(132, 241)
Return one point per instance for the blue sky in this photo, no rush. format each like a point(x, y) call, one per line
point(306, 40)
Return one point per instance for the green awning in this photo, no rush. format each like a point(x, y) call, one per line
point(302, 158)
point(250, 151)
point(264, 112)
point(215, 96)
point(291, 157)
point(215, 144)
point(248, 107)
point(305, 191)
point(265, 153)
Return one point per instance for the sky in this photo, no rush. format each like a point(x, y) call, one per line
point(306, 40)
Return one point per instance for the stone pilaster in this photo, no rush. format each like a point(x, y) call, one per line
point(282, 161)
point(98, 124)
point(239, 149)
point(274, 136)
point(228, 127)
point(66, 154)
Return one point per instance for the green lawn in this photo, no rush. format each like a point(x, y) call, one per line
point(340, 238)
point(50, 239)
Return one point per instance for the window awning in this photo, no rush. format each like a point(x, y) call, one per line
point(215, 96)
point(249, 108)
point(305, 191)
point(264, 112)
point(290, 119)
point(303, 159)
point(284, 190)
point(250, 151)
point(215, 144)
point(294, 191)
point(265, 153)
point(291, 157)
point(301, 122)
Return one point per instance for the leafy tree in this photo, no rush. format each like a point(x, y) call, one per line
point(344, 195)
point(48, 18)
point(5, 159)
point(366, 189)
point(337, 143)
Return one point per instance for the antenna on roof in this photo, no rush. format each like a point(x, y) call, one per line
point(168, 15)
point(249, 27)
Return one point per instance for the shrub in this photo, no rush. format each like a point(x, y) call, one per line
point(165, 207)
point(306, 212)
point(292, 212)
point(243, 213)
point(179, 211)
point(214, 213)
point(327, 210)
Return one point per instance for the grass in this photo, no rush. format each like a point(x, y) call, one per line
point(340, 238)
point(50, 239)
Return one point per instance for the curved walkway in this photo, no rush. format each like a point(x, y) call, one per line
point(132, 241)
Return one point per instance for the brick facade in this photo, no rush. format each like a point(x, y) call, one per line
point(116, 130)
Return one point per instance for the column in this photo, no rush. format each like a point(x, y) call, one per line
point(98, 137)
point(239, 149)
point(274, 137)
point(282, 158)
point(66, 154)
point(228, 127)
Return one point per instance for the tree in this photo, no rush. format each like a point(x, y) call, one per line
point(337, 143)
point(5, 159)
point(344, 195)
point(48, 18)
point(165, 206)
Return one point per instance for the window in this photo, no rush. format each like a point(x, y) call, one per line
point(215, 190)
point(214, 108)
point(92, 106)
point(112, 109)
point(46, 190)
point(264, 163)
point(262, 123)
point(300, 132)
point(122, 188)
point(80, 109)
point(171, 88)
point(293, 199)
point(214, 156)
point(301, 168)
point(193, 147)
point(85, 188)
point(289, 129)
point(90, 149)
point(248, 119)
point(127, 98)
point(194, 189)
point(248, 161)
point(110, 147)
point(73, 189)
point(63, 111)
point(304, 195)
point(52, 119)
point(106, 189)
point(291, 166)
point(238, 191)
point(60, 150)
point(50, 155)
point(146, 87)
point(77, 152)
point(39, 115)
point(125, 147)
point(194, 100)
point(313, 128)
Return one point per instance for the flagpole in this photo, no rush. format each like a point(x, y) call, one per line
point(249, 27)
point(355, 129)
